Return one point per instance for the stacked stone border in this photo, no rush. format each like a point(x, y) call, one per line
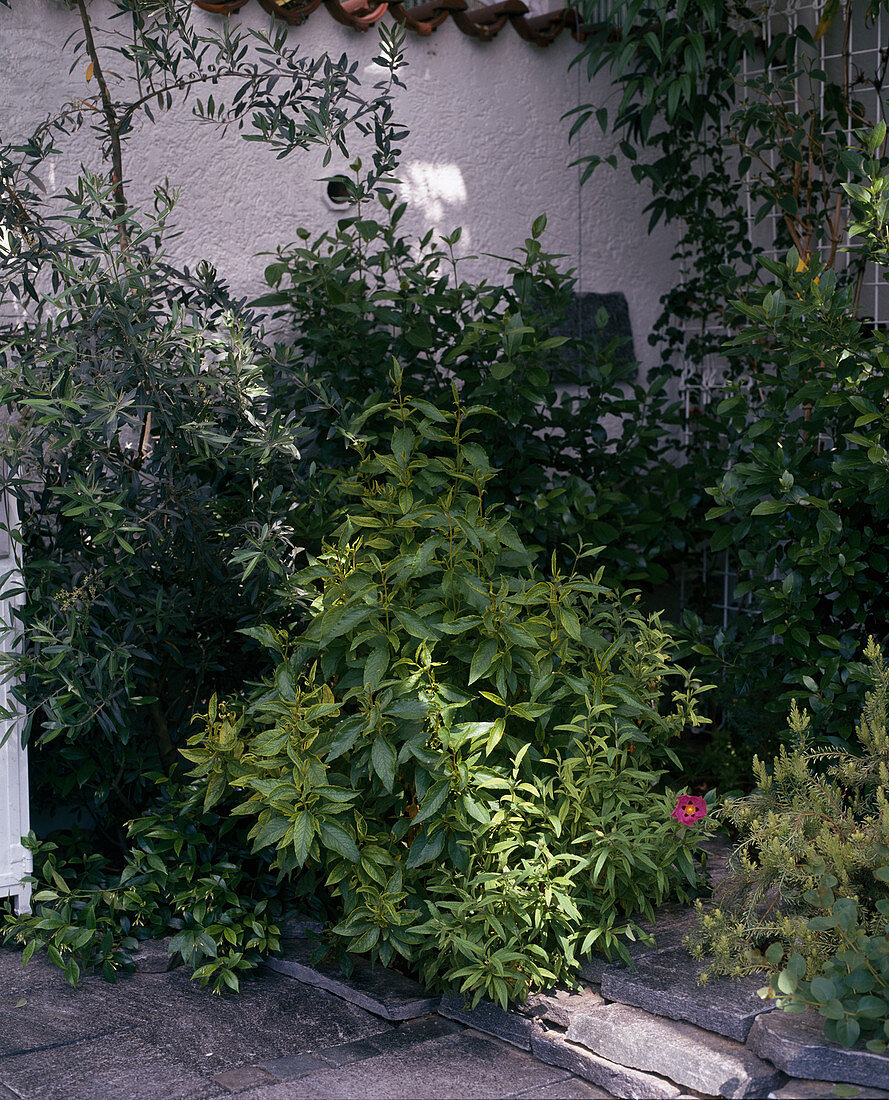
point(650, 1031)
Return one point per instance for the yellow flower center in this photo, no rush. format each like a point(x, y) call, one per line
point(690, 809)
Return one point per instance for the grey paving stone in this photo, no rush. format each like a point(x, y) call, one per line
point(377, 989)
point(560, 1008)
point(621, 1081)
point(116, 1067)
point(292, 1066)
point(450, 1068)
point(415, 1031)
point(513, 1027)
point(683, 1053)
point(796, 1044)
point(666, 983)
point(571, 1088)
point(270, 1017)
point(57, 1014)
point(348, 1053)
point(797, 1089)
point(8, 1094)
point(242, 1078)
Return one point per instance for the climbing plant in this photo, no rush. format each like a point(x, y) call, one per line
point(750, 143)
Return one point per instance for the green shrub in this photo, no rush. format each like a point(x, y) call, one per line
point(736, 122)
point(141, 438)
point(805, 501)
point(357, 297)
point(814, 834)
point(147, 463)
point(189, 872)
point(460, 752)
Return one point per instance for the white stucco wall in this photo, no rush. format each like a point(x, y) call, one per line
point(487, 151)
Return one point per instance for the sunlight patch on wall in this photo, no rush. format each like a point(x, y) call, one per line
point(437, 188)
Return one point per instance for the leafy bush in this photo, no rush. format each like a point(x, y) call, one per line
point(189, 872)
point(145, 445)
point(805, 499)
point(462, 753)
point(814, 834)
point(354, 299)
point(145, 457)
point(737, 124)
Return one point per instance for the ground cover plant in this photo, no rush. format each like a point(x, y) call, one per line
point(807, 900)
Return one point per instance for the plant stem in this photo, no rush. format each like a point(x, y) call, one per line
point(120, 202)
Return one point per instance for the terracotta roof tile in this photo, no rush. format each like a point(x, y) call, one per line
point(481, 23)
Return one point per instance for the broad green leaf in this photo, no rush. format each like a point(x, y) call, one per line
point(482, 659)
point(336, 838)
point(383, 759)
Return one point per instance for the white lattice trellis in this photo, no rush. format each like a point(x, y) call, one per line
point(15, 860)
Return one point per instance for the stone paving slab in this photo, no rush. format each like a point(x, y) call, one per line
point(666, 983)
point(271, 1016)
point(384, 992)
point(683, 1053)
point(795, 1042)
point(292, 1066)
point(621, 1081)
point(512, 1027)
point(571, 1088)
point(414, 1031)
point(797, 1089)
point(50, 1018)
point(114, 1067)
point(453, 1067)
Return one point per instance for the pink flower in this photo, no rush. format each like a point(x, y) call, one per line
point(689, 809)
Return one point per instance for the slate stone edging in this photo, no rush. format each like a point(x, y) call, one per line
point(679, 1051)
point(652, 1032)
point(513, 1027)
point(818, 1090)
point(623, 1081)
point(377, 989)
point(796, 1044)
point(666, 983)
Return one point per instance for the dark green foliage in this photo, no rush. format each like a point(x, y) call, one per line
point(357, 298)
point(144, 453)
point(717, 114)
point(809, 880)
point(145, 446)
point(189, 872)
point(463, 752)
point(805, 501)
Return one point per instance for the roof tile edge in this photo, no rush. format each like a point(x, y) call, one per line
point(423, 19)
